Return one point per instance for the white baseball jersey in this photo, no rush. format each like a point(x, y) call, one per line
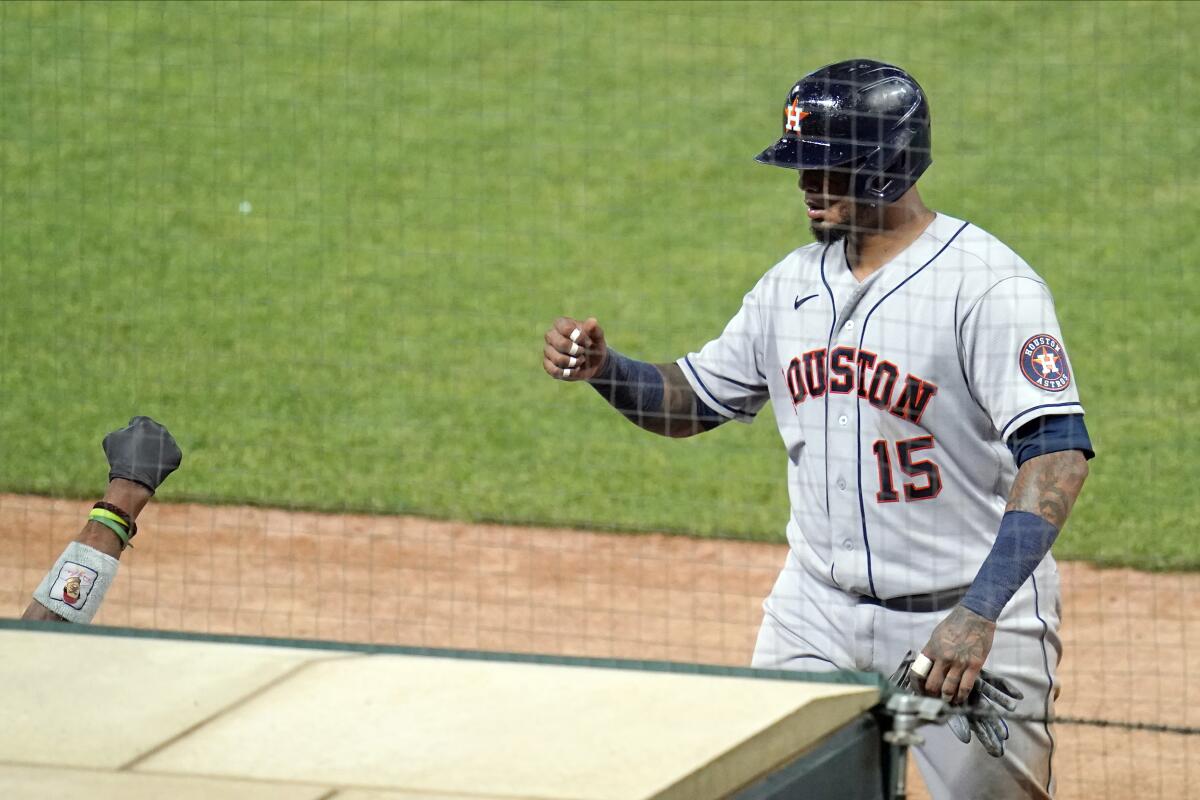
point(894, 398)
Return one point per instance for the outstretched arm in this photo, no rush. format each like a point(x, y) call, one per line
point(140, 457)
point(127, 495)
point(1041, 498)
point(656, 397)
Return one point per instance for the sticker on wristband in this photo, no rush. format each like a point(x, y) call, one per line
point(73, 584)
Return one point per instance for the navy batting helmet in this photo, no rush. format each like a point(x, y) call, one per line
point(863, 116)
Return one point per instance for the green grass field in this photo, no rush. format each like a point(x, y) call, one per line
point(429, 185)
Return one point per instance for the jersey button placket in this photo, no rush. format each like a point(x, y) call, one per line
point(841, 440)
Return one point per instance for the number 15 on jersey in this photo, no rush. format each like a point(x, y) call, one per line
point(927, 483)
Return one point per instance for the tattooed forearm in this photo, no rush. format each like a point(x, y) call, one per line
point(1053, 502)
point(1048, 485)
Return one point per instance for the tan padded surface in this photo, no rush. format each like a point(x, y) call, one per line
point(285, 722)
point(47, 783)
point(398, 794)
point(101, 701)
point(449, 725)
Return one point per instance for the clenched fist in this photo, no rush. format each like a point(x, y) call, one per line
point(574, 351)
point(143, 451)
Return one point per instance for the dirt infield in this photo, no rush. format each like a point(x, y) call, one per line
point(1132, 639)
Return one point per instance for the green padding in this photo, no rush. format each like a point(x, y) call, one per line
point(851, 678)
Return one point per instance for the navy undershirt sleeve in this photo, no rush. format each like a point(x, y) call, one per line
point(1050, 434)
point(635, 388)
point(1022, 542)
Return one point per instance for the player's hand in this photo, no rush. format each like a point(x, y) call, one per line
point(143, 451)
point(981, 713)
point(574, 351)
point(958, 648)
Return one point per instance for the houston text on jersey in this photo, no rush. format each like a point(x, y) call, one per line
point(847, 369)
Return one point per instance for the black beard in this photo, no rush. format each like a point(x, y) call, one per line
point(829, 234)
point(866, 219)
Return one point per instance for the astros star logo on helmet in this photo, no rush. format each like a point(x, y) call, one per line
point(794, 115)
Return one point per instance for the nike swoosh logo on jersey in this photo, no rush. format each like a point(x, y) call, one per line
point(801, 301)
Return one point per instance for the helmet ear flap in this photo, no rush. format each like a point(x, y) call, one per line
point(893, 168)
point(875, 187)
point(883, 170)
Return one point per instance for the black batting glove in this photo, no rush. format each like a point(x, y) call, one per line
point(143, 451)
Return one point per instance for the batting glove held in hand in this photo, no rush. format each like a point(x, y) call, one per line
point(143, 451)
point(989, 691)
point(899, 678)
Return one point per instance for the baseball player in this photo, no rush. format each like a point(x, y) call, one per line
point(140, 457)
point(931, 419)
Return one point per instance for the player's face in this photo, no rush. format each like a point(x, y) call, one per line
point(829, 205)
point(832, 211)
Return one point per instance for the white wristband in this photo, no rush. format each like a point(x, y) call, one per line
point(74, 588)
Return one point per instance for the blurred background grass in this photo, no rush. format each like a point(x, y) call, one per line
point(321, 241)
